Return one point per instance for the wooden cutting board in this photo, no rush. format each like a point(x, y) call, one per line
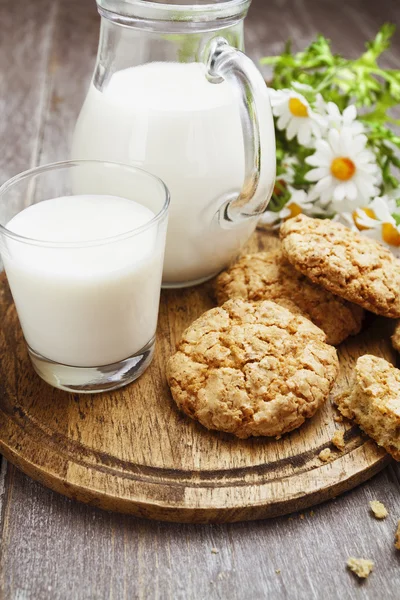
point(132, 451)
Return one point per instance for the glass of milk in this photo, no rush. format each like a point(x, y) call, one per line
point(82, 244)
point(173, 93)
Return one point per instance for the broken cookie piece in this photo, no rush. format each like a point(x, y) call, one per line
point(325, 455)
point(338, 439)
point(378, 509)
point(361, 567)
point(373, 401)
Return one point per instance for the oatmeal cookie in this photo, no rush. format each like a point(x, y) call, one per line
point(252, 369)
point(269, 276)
point(373, 401)
point(344, 262)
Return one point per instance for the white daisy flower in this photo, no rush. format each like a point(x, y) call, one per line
point(297, 204)
point(378, 211)
point(337, 120)
point(296, 116)
point(376, 221)
point(346, 172)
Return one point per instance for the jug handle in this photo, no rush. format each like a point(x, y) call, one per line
point(238, 70)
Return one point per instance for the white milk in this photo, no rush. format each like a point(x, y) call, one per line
point(92, 305)
point(170, 120)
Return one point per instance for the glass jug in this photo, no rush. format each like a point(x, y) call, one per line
point(173, 93)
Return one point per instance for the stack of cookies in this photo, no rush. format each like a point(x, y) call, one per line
point(264, 361)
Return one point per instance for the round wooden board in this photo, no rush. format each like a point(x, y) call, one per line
point(132, 451)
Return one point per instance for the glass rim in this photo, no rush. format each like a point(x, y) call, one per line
point(88, 243)
point(162, 11)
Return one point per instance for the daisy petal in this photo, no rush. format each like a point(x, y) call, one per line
point(292, 129)
point(347, 143)
point(280, 109)
point(324, 149)
point(339, 193)
point(349, 114)
point(317, 160)
point(334, 141)
point(317, 174)
point(283, 121)
point(326, 197)
point(365, 157)
point(304, 134)
point(333, 110)
point(324, 183)
point(351, 190)
point(357, 144)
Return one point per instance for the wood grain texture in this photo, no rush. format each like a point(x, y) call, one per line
point(53, 548)
point(132, 451)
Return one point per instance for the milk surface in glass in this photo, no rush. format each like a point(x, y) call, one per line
point(90, 305)
point(170, 120)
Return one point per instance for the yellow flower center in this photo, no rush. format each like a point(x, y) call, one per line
point(295, 210)
point(343, 168)
point(297, 108)
point(369, 212)
point(390, 234)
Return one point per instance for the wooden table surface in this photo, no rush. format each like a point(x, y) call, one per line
point(53, 548)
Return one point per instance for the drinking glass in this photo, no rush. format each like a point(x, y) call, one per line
point(88, 307)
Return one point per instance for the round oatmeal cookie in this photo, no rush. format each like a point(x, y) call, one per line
point(344, 262)
point(269, 276)
point(252, 369)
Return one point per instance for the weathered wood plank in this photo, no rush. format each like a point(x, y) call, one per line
point(24, 52)
point(25, 40)
point(84, 553)
point(53, 548)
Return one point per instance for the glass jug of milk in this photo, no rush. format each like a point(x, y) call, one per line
point(173, 93)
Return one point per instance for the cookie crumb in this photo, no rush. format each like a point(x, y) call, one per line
point(362, 567)
point(338, 418)
point(277, 571)
point(214, 551)
point(397, 537)
point(325, 455)
point(378, 509)
point(302, 516)
point(338, 439)
point(312, 513)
